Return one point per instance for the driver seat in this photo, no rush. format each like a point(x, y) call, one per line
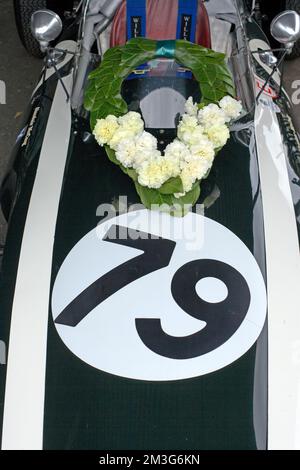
point(161, 22)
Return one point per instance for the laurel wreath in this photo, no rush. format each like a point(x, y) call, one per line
point(103, 97)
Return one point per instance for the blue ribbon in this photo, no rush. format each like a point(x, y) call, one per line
point(165, 49)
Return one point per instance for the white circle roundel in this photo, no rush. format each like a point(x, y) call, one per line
point(127, 299)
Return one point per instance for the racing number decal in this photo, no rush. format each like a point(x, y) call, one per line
point(126, 300)
point(222, 319)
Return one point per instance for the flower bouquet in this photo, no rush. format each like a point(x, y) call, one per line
point(175, 176)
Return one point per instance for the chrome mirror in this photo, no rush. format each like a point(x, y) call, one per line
point(285, 28)
point(45, 27)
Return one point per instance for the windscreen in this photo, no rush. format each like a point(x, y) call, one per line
point(158, 91)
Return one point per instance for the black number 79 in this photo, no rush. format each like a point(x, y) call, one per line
point(222, 319)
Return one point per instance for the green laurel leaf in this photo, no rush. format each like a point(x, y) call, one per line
point(173, 185)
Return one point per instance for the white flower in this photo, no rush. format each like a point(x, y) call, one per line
point(120, 135)
point(132, 122)
point(146, 141)
point(194, 136)
point(146, 149)
point(191, 108)
point(170, 166)
point(144, 156)
point(195, 170)
point(178, 151)
point(126, 152)
point(187, 125)
point(105, 129)
point(231, 107)
point(204, 149)
point(189, 121)
point(218, 135)
point(211, 115)
point(187, 181)
point(153, 173)
point(157, 170)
